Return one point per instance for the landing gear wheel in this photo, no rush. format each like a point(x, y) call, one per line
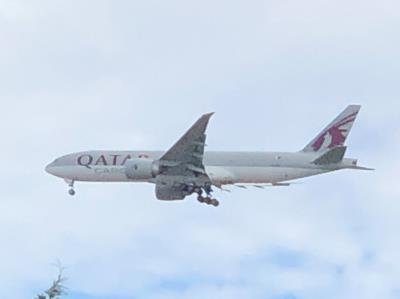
point(215, 202)
point(71, 192)
point(201, 199)
point(208, 201)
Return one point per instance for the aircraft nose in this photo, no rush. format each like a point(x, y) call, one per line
point(49, 168)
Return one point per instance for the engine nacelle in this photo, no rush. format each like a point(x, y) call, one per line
point(141, 169)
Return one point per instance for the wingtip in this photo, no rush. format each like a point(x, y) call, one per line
point(208, 115)
point(354, 106)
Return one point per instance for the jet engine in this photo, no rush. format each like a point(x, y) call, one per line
point(141, 169)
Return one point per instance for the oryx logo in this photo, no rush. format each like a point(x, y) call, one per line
point(335, 135)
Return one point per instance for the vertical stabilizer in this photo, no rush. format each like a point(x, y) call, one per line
point(335, 134)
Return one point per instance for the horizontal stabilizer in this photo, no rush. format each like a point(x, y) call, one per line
point(362, 168)
point(332, 156)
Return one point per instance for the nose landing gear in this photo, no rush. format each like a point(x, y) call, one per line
point(71, 191)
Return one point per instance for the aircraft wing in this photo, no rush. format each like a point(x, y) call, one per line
point(190, 148)
point(226, 188)
point(182, 165)
point(262, 186)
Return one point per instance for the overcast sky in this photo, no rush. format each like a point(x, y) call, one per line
point(95, 74)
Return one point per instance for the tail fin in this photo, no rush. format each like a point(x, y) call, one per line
point(335, 134)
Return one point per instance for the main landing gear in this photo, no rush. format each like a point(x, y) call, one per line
point(71, 191)
point(207, 200)
point(190, 189)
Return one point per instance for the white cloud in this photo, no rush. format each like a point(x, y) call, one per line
point(106, 74)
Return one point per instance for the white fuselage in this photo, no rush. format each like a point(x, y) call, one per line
point(223, 168)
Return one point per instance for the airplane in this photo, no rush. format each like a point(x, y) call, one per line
point(187, 169)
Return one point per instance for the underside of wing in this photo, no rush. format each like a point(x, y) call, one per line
point(258, 186)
